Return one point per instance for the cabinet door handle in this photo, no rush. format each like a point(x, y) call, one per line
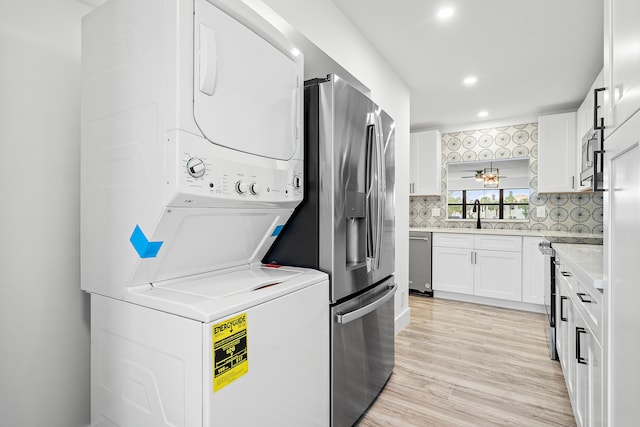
point(566, 274)
point(597, 124)
point(579, 357)
point(597, 172)
point(562, 298)
point(581, 297)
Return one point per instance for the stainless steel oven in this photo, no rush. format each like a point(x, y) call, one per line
point(550, 293)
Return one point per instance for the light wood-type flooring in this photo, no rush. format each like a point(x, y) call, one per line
point(461, 364)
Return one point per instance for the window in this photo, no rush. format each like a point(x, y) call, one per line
point(506, 203)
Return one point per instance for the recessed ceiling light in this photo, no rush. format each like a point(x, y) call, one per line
point(483, 113)
point(470, 80)
point(445, 13)
point(295, 52)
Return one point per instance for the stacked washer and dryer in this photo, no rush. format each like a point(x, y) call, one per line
point(192, 162)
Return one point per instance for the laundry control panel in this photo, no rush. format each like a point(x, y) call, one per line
point(207, 175)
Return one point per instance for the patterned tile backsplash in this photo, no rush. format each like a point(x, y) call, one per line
point(574, 212)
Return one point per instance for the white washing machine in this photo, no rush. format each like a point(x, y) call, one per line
point(192, 162)
point(248, 348)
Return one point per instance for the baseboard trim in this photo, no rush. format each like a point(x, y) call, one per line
point(515, 305)
point(402, 320)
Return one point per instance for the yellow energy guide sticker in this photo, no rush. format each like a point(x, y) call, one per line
point(230, 353)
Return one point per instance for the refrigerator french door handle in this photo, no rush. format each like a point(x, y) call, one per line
point(381, 186)
point(369, 182)
point(343, 318)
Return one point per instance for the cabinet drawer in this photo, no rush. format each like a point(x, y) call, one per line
point(590, 306)
point(499, 243)
point(451, 240)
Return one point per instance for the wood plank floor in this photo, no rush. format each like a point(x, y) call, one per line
point(461, 364)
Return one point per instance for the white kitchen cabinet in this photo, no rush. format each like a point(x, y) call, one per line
point(557, 164)
point(621, 61)
point(584, 116)
point(453, 270)
point(580, 352)
point(622, 293)
point(425, 163)
point(565, 334)
point(481, 265)
point(498, 274)
point(588, 401)
point(532, 271)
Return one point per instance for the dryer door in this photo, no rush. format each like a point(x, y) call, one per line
point(247, 93)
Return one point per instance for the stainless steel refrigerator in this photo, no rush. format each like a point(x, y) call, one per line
point(346, 228)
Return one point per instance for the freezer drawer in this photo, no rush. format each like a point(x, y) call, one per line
point(362, 340)
point(420, 262)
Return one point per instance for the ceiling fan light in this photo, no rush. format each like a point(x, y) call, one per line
point(490, 177)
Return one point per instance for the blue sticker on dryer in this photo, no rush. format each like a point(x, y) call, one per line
point(142, 245)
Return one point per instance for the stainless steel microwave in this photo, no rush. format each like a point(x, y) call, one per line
point(591, 172)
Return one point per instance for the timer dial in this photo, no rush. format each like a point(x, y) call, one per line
point(254, 188)
point(195, 167)
point(241, 187)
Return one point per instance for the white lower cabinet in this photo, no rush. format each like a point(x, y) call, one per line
point(481, 265)
point(532, 271)
point(579, 351)
point(498, 274)
point(453, 270)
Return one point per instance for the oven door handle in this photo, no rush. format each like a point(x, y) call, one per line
point(350, 316)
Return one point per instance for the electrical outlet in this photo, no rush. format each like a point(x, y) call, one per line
point(541, 212)
point(435, 212)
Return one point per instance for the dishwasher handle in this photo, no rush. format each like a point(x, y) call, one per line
point(350, 316)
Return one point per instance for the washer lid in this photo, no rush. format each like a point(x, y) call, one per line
point(212, 297)
point(237, 282)
point(247, 83)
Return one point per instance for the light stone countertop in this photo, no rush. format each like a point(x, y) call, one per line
point(553, 236)
point(584, 261)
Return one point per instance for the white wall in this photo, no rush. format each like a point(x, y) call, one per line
point(44, 317)
point(324, 25)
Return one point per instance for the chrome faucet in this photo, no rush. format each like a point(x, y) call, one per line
point(476, 208)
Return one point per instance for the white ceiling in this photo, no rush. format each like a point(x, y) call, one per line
point(530, 56)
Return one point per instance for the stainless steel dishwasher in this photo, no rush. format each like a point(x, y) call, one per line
point(420, 262)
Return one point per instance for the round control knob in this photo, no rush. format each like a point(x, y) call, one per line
point(255, 188)
point(241, 187)
point(195, 167)
point(297, 181)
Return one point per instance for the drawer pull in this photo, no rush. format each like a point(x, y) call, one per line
point(566, 274)
point(562, 317)
point(579, 357)
point(581, 297)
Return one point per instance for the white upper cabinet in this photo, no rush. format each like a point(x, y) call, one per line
point(621, 61)
point(557, 160)
point(425, 163)
point(585, 117)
